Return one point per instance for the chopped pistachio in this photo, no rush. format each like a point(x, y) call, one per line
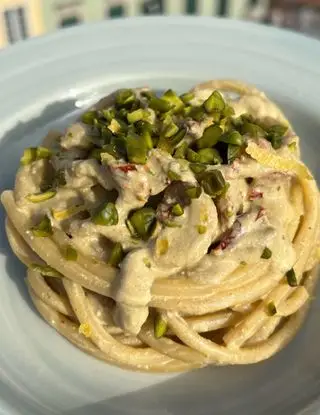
point(233, 152)
point(201, 229)
point(177, 210)
point(213, 183)
point(114, 126)
point(46, 270)
point(131, 229)
point(171, 97)
point(215, 102)
point(116, 255)
point(138, 115)
point(172, 175)
point(142, 223)
point(209, 156)
point(43, 153)
point(109, 150)
point(234, 138)
point(144, 126)
point(187, 97)
point(266, 254)
point(228, 111)
point(210, 137)
point(197, 113)
point(108, 114)
point(29, 155)
point(170, 130)
point(137, 149)
point(125, 98)
point(291, 278)
point(181, 151)
point(169, 143)
point(186, 111)
point(43, 229)
point(147, 262)
point(89, 117)
point(275, 141)
point(193, 156)
point(69, 253)
point(225, 124)
point(65, 213)
point(34, 153)
point(107, 216)
point(159, 104)
point(293, 146)
point(160, 327)
point(41, 197)
point(146, 138)
point(254, 130)
point(193, 192)
point(197, 167)
point(271, 309)
point(277, 130)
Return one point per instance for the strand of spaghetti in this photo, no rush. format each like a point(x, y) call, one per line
point(252, 354)
point(131, 341)
point(185, 288)
point(49, 252)
point(292, 304)
point(47, 295)
point(18, 245)
point(247, 293)
point(117, 351)
point(69, 330)
point(253, 322)
point(265, 331)
point(244, 308)
point(302, 246)
point(212, 321)
point(296, 196)
point(90, 286)
point(171, 348)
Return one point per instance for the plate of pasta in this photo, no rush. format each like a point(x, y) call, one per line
point(160, 227)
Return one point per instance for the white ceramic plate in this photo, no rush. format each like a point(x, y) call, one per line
point(42, 82)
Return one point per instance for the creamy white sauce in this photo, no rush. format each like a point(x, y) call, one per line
point(256, 215)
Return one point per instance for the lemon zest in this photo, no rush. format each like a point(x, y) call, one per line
point(268, 159)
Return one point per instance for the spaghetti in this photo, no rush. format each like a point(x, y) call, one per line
point(169, 233)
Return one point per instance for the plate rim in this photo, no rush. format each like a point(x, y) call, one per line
point(36, 41)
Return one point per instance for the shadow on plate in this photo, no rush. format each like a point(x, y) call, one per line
point(275, 382)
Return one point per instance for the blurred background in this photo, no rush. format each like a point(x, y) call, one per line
point(21, 19)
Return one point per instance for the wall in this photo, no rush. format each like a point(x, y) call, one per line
point(32, 16)
point(92, 10)
point(48, 15)
point(55, 12)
